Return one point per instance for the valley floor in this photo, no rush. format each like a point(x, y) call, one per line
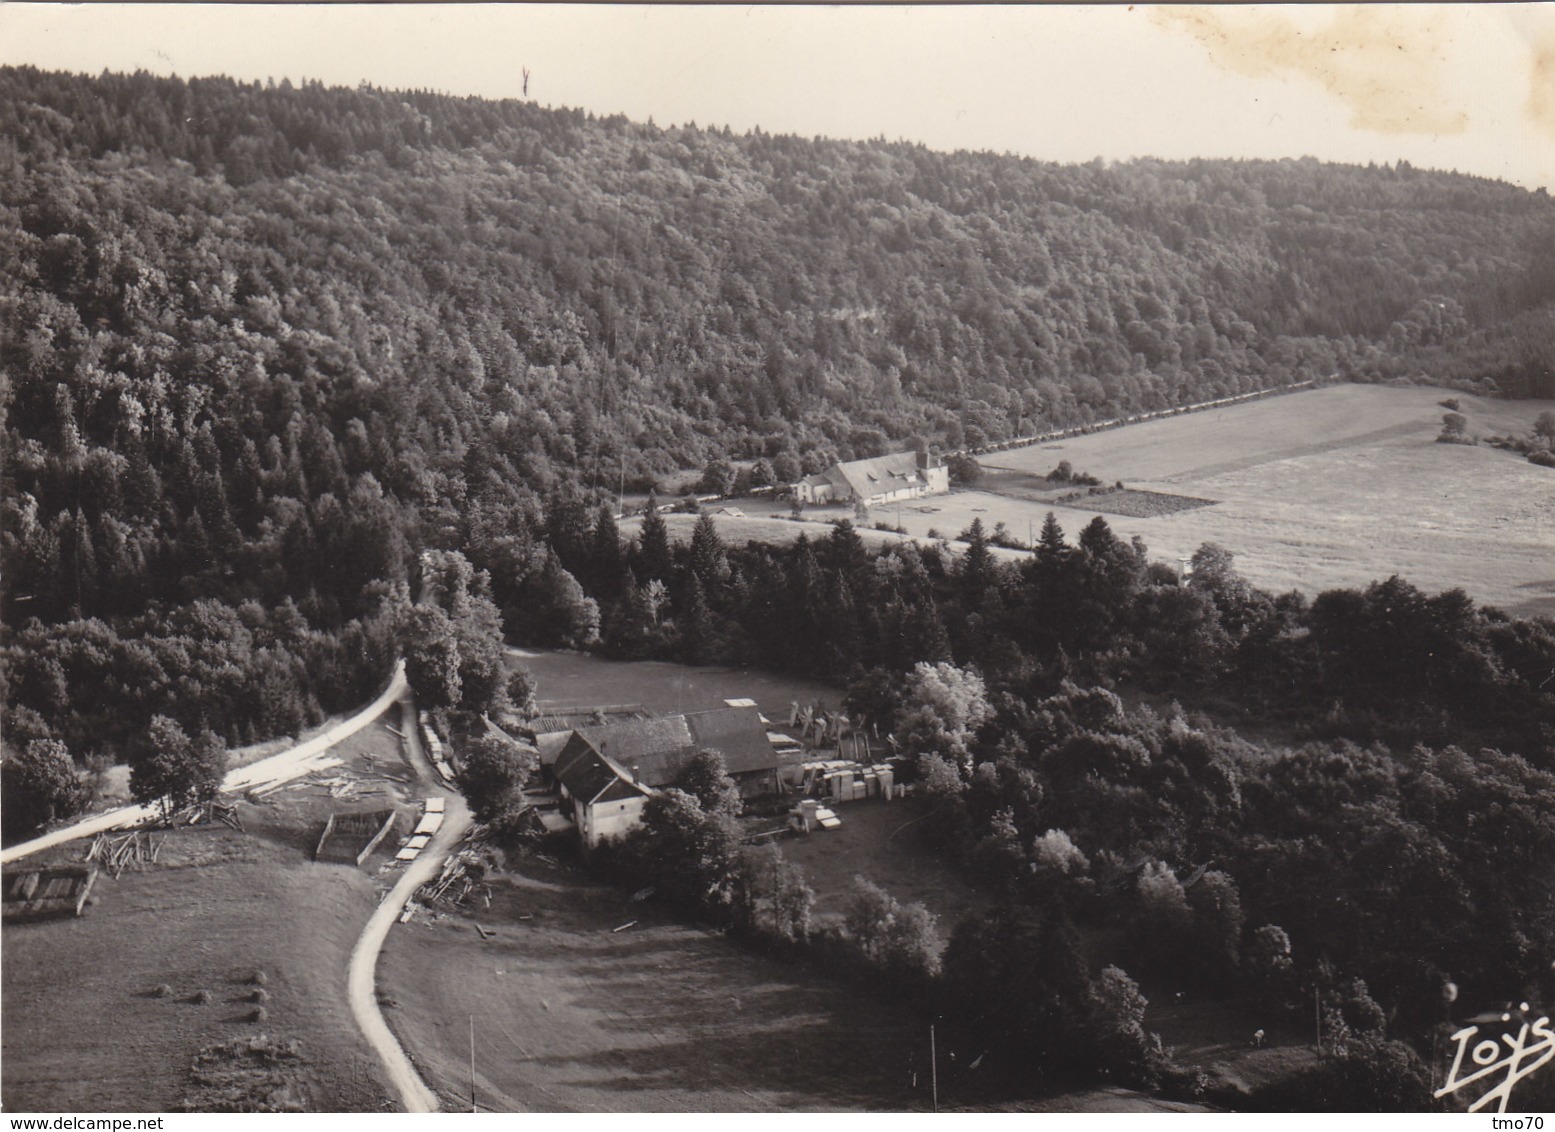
point(1333, 487)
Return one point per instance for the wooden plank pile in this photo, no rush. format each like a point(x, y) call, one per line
point(128, 850)
point(342, 786)
point(203, 813)
point(434, 748)
point(462, 881)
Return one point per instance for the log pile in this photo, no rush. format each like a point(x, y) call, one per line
point(462, 881)
point(202, 813)
point(129, 850)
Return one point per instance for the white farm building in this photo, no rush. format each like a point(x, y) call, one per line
point(882, 479)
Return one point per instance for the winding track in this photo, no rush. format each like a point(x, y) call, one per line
point(294, 763)
point(361, 975)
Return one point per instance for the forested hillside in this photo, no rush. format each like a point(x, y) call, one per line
point(260, 343)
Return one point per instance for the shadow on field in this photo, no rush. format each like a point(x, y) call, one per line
point(660, 1016)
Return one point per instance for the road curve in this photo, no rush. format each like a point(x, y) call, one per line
point(361, 975)
point(283, 767)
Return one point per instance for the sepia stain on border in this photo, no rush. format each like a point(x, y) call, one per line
point(1389, 67)
point(1541, 85)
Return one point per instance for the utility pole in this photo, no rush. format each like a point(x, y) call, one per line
point(933, 1070)
point(473, 1108)
point(1317, 1016)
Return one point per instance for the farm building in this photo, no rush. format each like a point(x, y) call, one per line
point(605, 801)
point(36, 894)
point(605, 773)
point(654, 751)
point(883, 479)
point(350, 838)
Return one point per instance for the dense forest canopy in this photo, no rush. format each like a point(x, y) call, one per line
point(275, 359)
point(262, 342)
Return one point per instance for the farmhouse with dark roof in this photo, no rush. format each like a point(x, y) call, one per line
point(607, 772)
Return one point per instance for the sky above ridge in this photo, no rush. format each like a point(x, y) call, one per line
point(1469, 87)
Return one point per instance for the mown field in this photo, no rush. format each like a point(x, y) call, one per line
point(85, 1029)
point(572, 1016)
point(1332, 487)
point(85, 1032)
point(1314, 490)
point(570, 679)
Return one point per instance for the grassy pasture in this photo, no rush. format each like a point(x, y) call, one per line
point(881, 841)
point(84, 1030)
point(1324, 488)
point(570, 679)
point(571, 1016)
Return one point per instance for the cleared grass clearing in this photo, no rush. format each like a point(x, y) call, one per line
point(1197, 446)
point(1326, 488)
point(882, 842)
point(571, 1016)
point(84, 1029)
point(572, 679)
point(85, 1032)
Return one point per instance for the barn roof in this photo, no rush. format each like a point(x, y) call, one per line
point(655, 751)
point(589, 775)
point(881, 474)
point(632, 740)
point(738, 734)
point(550, 744)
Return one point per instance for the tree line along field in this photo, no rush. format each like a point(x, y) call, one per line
point(1315, 490)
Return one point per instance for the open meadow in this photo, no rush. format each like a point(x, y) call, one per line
point(573, 679)
point(86, 1029)
point(573, 1016)
point(109, 1011)
point(1325, 488)
point(883, 842)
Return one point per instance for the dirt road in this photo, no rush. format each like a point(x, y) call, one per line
point(361, 976)
point(305, 758)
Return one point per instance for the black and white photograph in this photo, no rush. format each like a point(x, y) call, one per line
point(776, 559)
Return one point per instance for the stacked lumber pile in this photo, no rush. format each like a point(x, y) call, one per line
point(462, 881)
point(115, 853)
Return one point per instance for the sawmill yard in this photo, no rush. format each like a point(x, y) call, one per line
point(1323, 488)
point(112, 1010)
point(582, 998)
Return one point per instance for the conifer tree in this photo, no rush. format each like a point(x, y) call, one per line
point(653, 546)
